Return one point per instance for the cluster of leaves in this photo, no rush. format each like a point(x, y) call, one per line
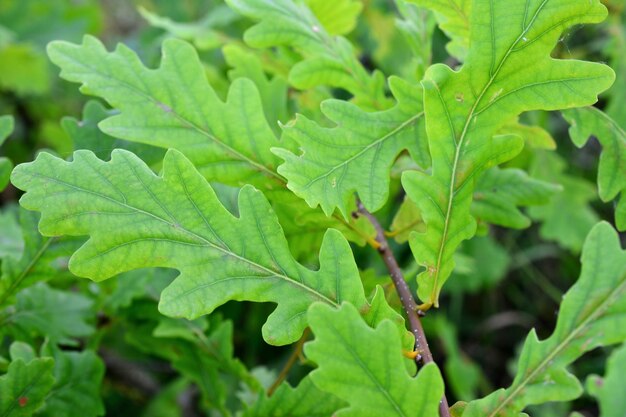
point(245, 165)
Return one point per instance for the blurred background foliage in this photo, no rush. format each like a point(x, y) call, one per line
point(506, 281)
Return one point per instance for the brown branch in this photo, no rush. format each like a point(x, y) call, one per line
point(406, 298)
point(290, 362)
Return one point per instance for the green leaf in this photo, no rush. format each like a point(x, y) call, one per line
point(616, 107)
point(363, 366)
point(592, 314)
point(487, 263)
point(76, 390)
point(174, 106)
point(37, 262)
point(86, 134)
point(497, 197)
point(207, 360)
point(329, 60)
point(305, 228)
point(246, 64)
point(25, 386)
point(357, 154)
point(227, 142)
point(6, 166)
point(568, 217)
point(590, 121)
point(415, 25)
point(610, 390)
point(11, 241)
point(338, 17)
point(453, 17)
point(202, 33)
point(6, 127)
point(534, 137)
point(305, 400)
point(57, 315)
point(24, 69)
point(508, 71)
point(499, 193)
point(406, 220)
point(123, 289)
point(176, 221)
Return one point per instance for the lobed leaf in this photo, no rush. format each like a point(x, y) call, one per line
point(328, 60)
point(86, 134)
point(23, 389)
point(357, 154)
point(76, 390)
point(498, 196)
point(202, 33)
point(363, 366)
point(592, 314)
point(589, 121)
point(174, 106)
point(55, 314)
point(406, 220)
point(453, 17)
point(246, 64)
point(205, 359)
point(37, 260)
point(499, 193)
point(508, 71)
point(305, 400)
point(568, 217)
point(137, 219)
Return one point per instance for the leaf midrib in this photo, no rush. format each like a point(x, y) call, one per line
point(194, 235)
point(238, 155)
point(392, 401)
point(15, 284)
point(232, 151)
point(600, 310)
point(378, 141)
point(26, 389)
point(459, 146)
